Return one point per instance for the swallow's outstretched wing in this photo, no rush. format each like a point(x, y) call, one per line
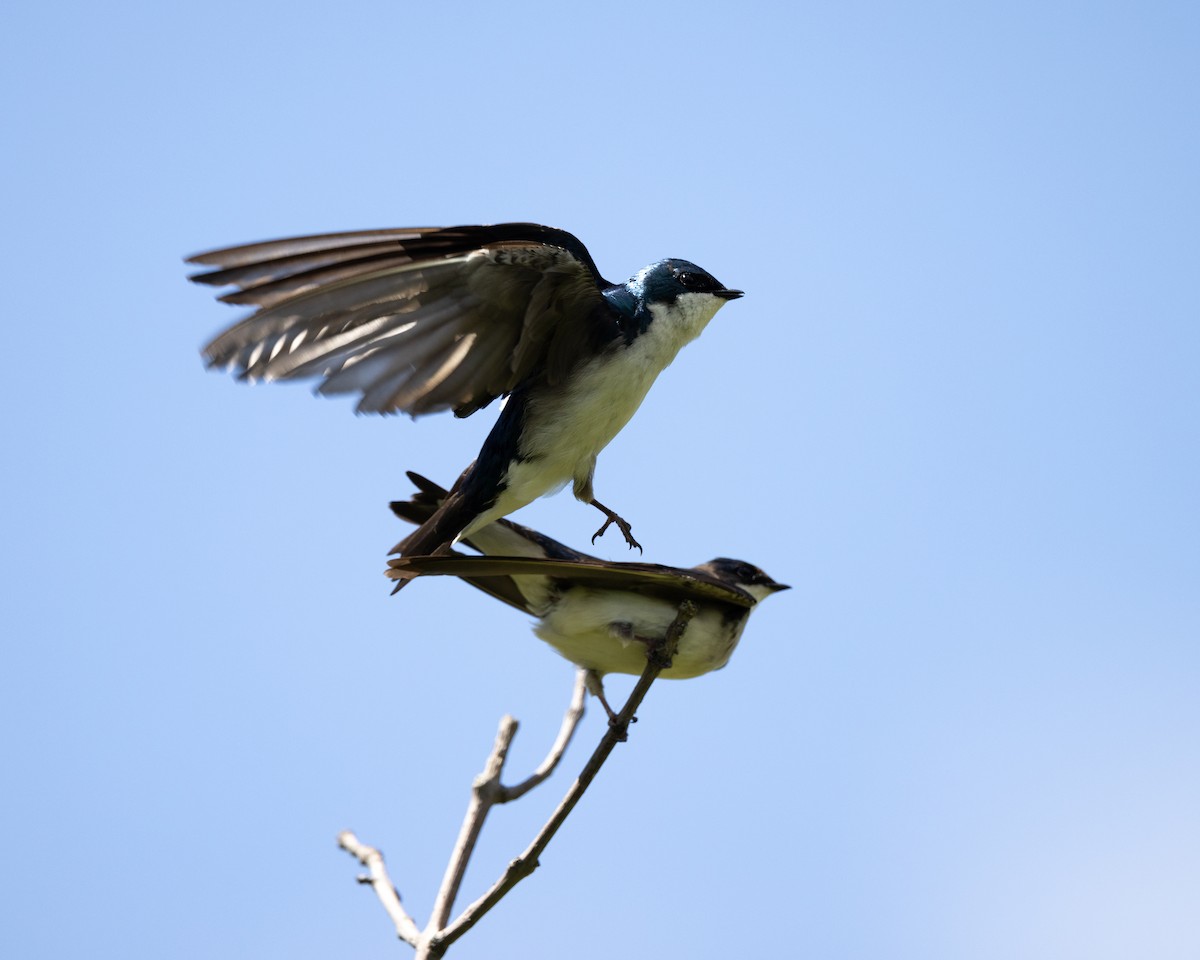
point(414, 320)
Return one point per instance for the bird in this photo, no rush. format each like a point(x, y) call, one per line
point(420, 320)
point(600, 615)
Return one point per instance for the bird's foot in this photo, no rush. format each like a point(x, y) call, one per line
point(621, 522)
point(622, 728)
point(595, 685)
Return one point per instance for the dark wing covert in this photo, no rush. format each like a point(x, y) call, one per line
point(671, 583)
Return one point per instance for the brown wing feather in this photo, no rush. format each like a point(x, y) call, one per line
point(415, 319)
point(671, 582)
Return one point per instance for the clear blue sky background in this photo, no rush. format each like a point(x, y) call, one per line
point(957, 409)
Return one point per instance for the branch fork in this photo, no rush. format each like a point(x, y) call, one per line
point(488, 791)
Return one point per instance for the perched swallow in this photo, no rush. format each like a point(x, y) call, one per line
point(597, 614)
point(420, 320)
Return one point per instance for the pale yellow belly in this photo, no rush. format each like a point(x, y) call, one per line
point(580, 627)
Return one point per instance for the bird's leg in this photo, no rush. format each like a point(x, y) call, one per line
point(595, 685)
point(622, 525)
point(660, 654)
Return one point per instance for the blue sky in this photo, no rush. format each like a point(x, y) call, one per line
point(957, 410)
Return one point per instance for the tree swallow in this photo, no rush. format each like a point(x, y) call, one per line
point(419, 320)
point(597, 614)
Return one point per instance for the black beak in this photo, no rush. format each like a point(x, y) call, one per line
point(728, 294)
point(776, 587)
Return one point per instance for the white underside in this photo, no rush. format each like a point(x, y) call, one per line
point(566, 429)
point(594, 629)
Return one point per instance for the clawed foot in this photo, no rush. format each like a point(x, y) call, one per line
point(622, 729)
point(622, 525)
point(595, 685)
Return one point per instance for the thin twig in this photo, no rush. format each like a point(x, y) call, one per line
point(389, 896)
point(477, 810)
point(436, 938)
point(657, 660)
point(486, 792)
point(566, 731)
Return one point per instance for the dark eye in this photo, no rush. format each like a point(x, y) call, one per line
point(697, 281)
point(747, 573)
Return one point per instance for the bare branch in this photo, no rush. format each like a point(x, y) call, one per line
point(657, 660)
point(570, 721)
point(487, 791)
point(482, 791)
point(388, 895)
point(436, 938)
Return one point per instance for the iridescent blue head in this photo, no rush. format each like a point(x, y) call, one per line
point(667, 280)
point(683, 293)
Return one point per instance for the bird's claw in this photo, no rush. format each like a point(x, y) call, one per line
point(623, 526)
point(621, 729)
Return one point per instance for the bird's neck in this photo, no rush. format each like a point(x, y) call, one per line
point(632, 313)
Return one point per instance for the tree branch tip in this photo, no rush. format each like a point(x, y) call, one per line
point(353, 846)
point(508, 727)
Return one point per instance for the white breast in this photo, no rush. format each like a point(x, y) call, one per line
point(567, 427)
point(571, 426)
point(585, 626)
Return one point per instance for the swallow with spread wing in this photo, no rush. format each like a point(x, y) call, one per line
point(420, 320)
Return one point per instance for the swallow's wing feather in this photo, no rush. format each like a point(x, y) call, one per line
point(504, 588)
point(414, 320)
point(673, 583)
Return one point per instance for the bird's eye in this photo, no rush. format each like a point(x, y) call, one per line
point(690, 280)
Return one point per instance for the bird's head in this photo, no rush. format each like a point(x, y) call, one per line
point(668, 280)
point(683, 293)
point(747, 576)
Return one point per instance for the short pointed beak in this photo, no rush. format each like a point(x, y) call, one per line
point(728, 294)
point(776, 587)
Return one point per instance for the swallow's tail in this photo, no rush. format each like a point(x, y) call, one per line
point(421, 505)
point(442, 517)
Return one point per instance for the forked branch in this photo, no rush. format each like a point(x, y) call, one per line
point(487, 791)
